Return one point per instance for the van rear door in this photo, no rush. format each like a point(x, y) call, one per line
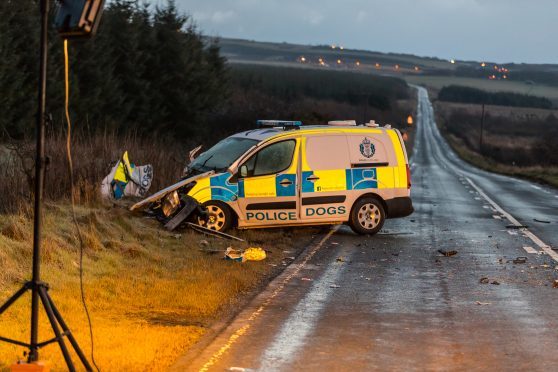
point(325, 159)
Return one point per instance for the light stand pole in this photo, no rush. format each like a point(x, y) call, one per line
point(39, 289)
point(39, 181)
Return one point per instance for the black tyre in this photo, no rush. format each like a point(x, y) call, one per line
point(367, 216)
point(219, 216)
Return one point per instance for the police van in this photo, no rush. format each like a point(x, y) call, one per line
point(286, 174)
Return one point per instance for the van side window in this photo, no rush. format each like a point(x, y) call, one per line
point(370, 148)
point(272, 159)
point(327, 152)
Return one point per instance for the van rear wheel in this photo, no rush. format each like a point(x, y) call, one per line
point(367, 216)
point(219, 216)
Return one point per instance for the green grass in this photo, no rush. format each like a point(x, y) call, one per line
point(438, 82)
point(246, 50)
point(152, 294)
point(546, 175)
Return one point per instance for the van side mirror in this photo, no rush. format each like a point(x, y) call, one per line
point(243, 171)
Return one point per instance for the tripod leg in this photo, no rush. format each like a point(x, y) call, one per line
point(69, 333)
point(54, 324)
point(13, 299)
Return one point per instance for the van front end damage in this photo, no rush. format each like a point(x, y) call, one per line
point(173, 206)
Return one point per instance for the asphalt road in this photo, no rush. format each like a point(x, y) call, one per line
point(393, 302)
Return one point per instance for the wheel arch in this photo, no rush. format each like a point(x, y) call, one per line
point(373, 196)
point(233, 211)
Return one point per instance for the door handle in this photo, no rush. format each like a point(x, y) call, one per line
point(285, 183)
point(312, 178)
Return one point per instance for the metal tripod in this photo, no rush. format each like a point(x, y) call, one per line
point(39, 289)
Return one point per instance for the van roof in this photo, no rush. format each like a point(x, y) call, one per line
point(262, 134)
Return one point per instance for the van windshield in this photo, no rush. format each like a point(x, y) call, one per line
point(223, 154)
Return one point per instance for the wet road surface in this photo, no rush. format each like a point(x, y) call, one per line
point(392, 302)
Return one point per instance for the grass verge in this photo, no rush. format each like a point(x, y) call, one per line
point(152, 294)
point(546, 175)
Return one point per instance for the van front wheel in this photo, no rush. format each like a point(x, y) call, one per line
point(367, 216)
point(219, 216)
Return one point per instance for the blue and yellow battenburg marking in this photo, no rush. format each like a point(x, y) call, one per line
point(220, 188)
point(340, 180)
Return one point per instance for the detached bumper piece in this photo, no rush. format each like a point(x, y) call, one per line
point(399, 207)
point(190, 205)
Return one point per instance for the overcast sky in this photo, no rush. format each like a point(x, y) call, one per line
point(491, 30)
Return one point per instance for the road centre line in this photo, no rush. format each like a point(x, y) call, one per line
point(545, 247)
point(242, 330)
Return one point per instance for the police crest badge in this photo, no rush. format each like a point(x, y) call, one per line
point(367, 148)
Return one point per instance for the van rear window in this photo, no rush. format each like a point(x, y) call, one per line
point(366, 148)
point(327, 152)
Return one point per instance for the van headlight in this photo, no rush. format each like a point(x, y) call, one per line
point(170, 204)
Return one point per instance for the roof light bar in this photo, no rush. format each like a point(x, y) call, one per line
point(342, 123)
point(278, 123)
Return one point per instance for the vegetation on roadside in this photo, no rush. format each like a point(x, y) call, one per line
point(150, 84)
point(148, 69)
point(517, 142)
point(151, 293)
point(457, 93)
point(543, 174)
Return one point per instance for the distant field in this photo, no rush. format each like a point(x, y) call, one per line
point(514, 113)
point(438, 82)
point(246, 50)
point(433, 73)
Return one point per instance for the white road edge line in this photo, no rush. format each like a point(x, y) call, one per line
point(300, 323)
point(545, 247)
point(530, 250)
point(290, 272)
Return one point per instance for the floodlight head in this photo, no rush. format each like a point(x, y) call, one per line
point(78, 18)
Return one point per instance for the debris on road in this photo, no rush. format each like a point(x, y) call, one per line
point(250, 254)
point(334, 286)
point(541, 221)
point(555, 284)
point(204, 243)
point(340, 259)
point(447, 253)
point(233, 254)
point(516, 227)
point(483, 303)
point(484, 280)
point(495, 282)
point(254, 254)
point(520, 260)
point(207, 231)
point(306, 279)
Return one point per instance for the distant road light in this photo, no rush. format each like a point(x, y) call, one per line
point(302, 59)
point(483, 64)
point(417, 68)
point(338, 61)
point(341, 47)
point(333, 46)
point(357, 63)
point(410, 120)
point(452, 61)
point(396, 67)
point(378, 66)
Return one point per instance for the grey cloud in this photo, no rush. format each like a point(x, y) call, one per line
point(495, 30)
